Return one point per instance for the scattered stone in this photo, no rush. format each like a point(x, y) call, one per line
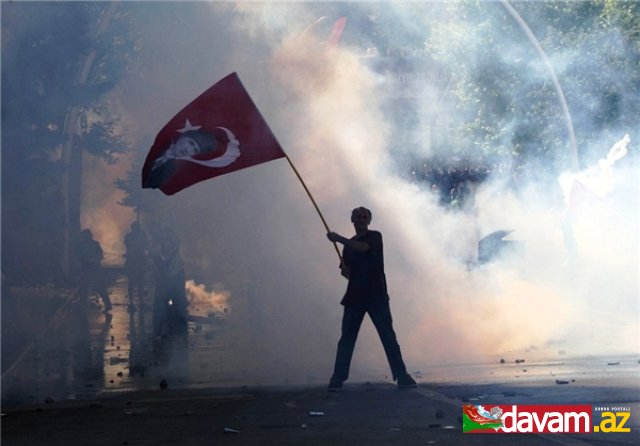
point(502, 361)
point(559, 381)
point(519, 361)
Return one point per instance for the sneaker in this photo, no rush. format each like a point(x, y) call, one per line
point(406, 382)
point(335, 384)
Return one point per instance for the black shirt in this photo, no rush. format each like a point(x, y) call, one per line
point(367, 282)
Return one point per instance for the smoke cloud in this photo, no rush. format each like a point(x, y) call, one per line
point(256, 233)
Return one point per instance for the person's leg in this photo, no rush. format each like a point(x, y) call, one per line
point(179, 315)
point(351, 321)
point(159, 312)
point(381, 317)
point(131, 286)
point(98, 283)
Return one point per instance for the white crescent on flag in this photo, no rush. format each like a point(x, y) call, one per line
point(229, 156)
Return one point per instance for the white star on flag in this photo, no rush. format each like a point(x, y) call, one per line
point(188, 127)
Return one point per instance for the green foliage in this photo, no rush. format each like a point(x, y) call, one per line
point(508, 106)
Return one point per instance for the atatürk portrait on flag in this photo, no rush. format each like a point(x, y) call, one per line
point(215, 149)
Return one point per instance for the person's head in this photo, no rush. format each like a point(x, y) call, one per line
point(191, 143)
point(361, 218)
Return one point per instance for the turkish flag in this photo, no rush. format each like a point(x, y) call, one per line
point(221, 131)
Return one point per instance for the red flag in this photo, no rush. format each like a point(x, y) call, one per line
point(336, 33)
point(221, 131)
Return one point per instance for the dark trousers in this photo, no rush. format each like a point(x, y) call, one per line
point(352, 318)
point(93, 281)
point(135, 275)
point(170, 307)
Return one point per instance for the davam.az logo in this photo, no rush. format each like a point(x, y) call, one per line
point(548, 419)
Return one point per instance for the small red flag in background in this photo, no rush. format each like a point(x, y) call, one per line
point(220, 131)
point(336, 33)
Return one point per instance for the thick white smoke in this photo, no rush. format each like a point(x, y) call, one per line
point(255, 231)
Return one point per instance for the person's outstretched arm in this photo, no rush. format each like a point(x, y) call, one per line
point(356, 245)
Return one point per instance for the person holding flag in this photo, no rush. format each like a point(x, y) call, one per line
point(363, 266)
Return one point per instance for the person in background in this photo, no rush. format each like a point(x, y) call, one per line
point(91, 279)
point(136, 263)
point(170, 301)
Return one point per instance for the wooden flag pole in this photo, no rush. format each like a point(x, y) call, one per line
point(326, 226)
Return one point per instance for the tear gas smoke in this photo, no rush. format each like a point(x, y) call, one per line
point(256, 233)
point(209, 302)
point(101, 213)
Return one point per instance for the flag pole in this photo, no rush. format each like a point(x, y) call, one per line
point(324, 222)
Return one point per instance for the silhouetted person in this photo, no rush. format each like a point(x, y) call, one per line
point(170, 302)
point(363, 266)
point(136, 262)
point(91, 280)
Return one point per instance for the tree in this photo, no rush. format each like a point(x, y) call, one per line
point(57, 66)
point(506, 100)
